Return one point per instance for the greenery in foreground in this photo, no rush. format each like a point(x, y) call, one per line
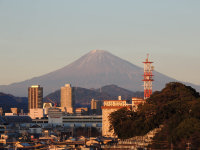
point(177, 107)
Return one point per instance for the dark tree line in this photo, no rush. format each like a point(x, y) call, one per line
point(177, 107)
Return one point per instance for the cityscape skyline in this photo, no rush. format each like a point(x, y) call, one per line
point(99, 74)
point(49, 35)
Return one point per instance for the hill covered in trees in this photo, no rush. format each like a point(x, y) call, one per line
point(84, 96)
point(176, 107)
point(8, 101)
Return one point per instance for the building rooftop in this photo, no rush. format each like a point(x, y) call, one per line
point(35, 86)
point(114, 100)
point(17, 119)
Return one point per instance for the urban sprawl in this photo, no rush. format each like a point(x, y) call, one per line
point(47, 126)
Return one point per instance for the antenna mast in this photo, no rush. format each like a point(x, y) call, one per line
point(148, 77)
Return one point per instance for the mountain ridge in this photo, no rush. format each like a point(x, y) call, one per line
point(84, 96)
point(8, 101)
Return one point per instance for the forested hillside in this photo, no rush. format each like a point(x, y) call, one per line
point(177, 107)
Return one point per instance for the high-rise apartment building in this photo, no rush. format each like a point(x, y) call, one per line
point(35, 97)
point(67, 98)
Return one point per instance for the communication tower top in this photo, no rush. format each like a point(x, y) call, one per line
point(148, 77)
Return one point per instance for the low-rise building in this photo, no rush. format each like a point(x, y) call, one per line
point(35, 129)
point(1, 111)
point(36, 113)
point(82, 121)
point(55, 116)
point(14, 110)
point(10, 114)
point(109, 107)
point(113, 105)
point(136, 102)
point(82, 111)
point(46, 107)
point(96, 106)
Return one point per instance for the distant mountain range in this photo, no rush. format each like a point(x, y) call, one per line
point(8, 101)
point(83, 96)
point(93, 70)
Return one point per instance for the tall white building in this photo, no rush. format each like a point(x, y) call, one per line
point(67, 99)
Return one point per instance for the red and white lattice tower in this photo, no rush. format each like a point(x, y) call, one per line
point(148, 77)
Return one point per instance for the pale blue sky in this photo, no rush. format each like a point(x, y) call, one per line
point(39, 36)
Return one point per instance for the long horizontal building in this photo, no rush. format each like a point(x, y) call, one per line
point(72, 121)
point(82, 121)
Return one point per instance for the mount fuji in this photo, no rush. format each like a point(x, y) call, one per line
point(93, 70)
